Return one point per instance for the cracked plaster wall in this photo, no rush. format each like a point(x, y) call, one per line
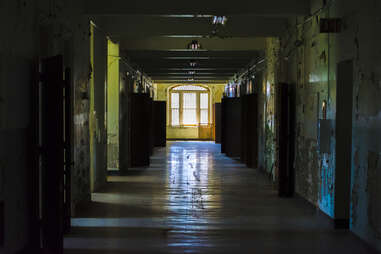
point(312, 68)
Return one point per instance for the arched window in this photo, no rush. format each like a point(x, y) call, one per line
point(189, 105)
point(189, 88)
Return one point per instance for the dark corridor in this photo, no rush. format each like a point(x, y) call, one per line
point(284, 94)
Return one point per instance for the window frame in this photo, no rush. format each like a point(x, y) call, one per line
point(198, 93)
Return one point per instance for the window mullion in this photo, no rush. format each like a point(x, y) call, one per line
point(170, 109)
point(198, 108)
point(181, 109)
point(210, 105)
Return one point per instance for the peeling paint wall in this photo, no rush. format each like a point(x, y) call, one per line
point(267, 100)
point(314, 62)
point(30, 32)
point(17, 24)
point(97, 117)
point(306, 66)
point(308, 59)
point(81, 109)
point(365, 40)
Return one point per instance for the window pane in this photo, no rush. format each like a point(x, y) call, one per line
point(204, 116)
point(189, 116)
point(204, 101)
point(175, 100)
point(189, 101)
point(175, 117)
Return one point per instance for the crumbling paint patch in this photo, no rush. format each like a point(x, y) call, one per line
point(269, 150)
point(327, 183)
point(268, 99)
point(80, 174)
point(307, 177)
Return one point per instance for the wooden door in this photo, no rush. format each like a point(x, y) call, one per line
point(245, 143)
point(51, 130)
point(50, 176)
point(223, 125)
point(252, 131)
point(233, 127)
point(68, 121)
point(151, 125)
point(160, 119)
point(2, 225)
point(217, 122)
point(285, 139)
point(140, 130)
point(344, 116)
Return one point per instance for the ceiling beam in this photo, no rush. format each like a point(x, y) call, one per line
point(200, 62)
point(187, 73)
point(200, 72)
point(175, 64)
point(132, 26)
point(194, 69)
point(223, 81)
point(190, 77)
point(169, 43)
point(175, 76)
point(167, 54)
point(211, 7)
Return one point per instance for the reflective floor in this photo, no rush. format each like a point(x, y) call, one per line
point(193, 199)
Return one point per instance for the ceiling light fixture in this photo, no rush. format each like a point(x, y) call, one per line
point(194, 45)
point(192, 64)
point(192, 72)
point(219, 20)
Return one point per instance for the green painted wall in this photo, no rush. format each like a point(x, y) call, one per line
point(112, 105)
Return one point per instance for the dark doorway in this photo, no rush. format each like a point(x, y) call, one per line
point(52, 162)
point(232, 127)
point(285, 110)
point(160, 118)
point(344, 108)
point(141, 115)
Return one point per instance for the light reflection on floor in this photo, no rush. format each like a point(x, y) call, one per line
point(195, 200)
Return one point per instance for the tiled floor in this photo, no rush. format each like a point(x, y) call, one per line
point(193, 199)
